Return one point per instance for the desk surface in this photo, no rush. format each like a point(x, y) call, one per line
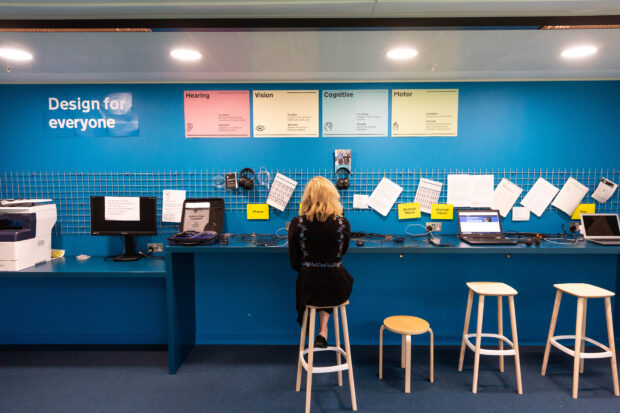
point(417, 246)
point(93, 267)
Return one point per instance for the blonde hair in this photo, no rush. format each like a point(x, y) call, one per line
point(320, 200)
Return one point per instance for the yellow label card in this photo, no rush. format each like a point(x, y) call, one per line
point(583, 209)
point(442, 211)
point(257, 211)
point(409, 210)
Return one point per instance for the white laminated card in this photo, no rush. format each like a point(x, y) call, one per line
point(539, 196)
point(570, 196)
point(384, 196)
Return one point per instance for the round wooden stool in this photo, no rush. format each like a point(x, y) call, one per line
point(499, 290)
point(582, 292)
point(406, 326)
point(338, 367)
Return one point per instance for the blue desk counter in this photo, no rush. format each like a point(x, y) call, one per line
point(93, 267)
point(181, 289)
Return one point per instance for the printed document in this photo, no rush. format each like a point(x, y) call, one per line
point(172, 207)
point(539, 197)
point(427, 194)
point(520, 214)
point(122, 208)
point(360, 201)
point(281, 190)
point(505, 196)
point(604, 190)
point(384, 196)
point(570, 196)
point(470, 190)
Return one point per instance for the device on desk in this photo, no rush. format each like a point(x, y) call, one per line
point(603, 229)
point(126, 216)
point(437, 241)
point(25, 234)
point(202, 221)
point(482, 227)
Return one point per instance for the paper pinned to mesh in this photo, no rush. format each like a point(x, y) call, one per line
point(539, 196)
point(384, 196)
point(570, 196)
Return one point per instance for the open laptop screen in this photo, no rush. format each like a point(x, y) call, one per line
point(600, 225)
point(479, 222)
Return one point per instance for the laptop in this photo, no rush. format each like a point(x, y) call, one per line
point(603, 229)
point(482, 227)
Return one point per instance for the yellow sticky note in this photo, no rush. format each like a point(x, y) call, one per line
point(442, 211)
point(409, 210)
point(583, 209)
point(257, 211)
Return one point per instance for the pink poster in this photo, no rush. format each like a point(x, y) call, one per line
point(217, 113)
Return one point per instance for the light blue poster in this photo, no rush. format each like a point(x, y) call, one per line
point(355, 112)
point(86, 115)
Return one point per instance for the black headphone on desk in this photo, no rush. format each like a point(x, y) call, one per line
point(246, 178)
point(343, 183)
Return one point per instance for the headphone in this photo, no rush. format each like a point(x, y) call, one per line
point(343, 183)
point(246, 178)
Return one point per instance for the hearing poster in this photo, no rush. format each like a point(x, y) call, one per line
point(425, 112)
point(355, 112)
point(217, 113)
point(285, 113)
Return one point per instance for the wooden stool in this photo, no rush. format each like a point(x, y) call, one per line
point(582, 292)
point(308, 366)
point(407, 326)
point(499, 290)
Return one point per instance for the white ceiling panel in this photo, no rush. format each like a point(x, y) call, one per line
point(309, 56)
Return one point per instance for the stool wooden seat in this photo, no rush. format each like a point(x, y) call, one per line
point(309, 352)
point(582, 292)
point(406, 326)
point(498, 290)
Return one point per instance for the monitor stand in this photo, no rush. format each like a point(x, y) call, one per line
point(130, 250)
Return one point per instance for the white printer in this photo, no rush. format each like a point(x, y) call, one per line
point(25, 234)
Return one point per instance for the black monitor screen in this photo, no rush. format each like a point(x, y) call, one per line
point(146, 223)
point(601, 225)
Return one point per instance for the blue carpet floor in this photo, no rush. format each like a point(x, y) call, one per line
point(262, 379)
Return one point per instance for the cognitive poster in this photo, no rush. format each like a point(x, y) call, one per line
point(217, 113)
point(425, 112)
point(355, 112)
point(286, 113)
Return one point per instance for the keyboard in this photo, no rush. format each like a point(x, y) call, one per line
point(488, 240)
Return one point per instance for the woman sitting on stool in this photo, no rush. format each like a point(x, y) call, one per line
point(317, 240)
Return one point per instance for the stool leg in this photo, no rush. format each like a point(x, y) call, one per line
point(578, 337)
point(432, 356)
point(474, 387)
point(310, 359)
point(337, 334)
point(470, 300)
point(407, 364)
point(515, 342)
point(403, 352)
point(302, 341)
point(500, 331)
point(347, 347)
point(554, 319)
point(381, 351)
point(612, 345)
point(583, 333)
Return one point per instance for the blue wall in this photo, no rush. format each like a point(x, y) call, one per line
point(250, 298)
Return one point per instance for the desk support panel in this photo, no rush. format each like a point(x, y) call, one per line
point(181, 301)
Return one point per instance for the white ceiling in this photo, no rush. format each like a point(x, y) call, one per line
point(333, 55)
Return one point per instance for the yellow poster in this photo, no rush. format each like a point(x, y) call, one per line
point(583, 209)
point(425, 112)
point(409, 210)
point(442, 211)
point(257, 211)
point(285, 113)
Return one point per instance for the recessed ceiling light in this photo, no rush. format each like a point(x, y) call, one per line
point(577, 52)
point(15, 54)
point(187, 55)
point(402, 53)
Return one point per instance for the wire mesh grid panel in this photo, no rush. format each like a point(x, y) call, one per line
point(71, 191)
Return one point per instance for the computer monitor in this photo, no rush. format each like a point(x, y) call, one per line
point(127, 216)
point(483, 222)
point(600, 226)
